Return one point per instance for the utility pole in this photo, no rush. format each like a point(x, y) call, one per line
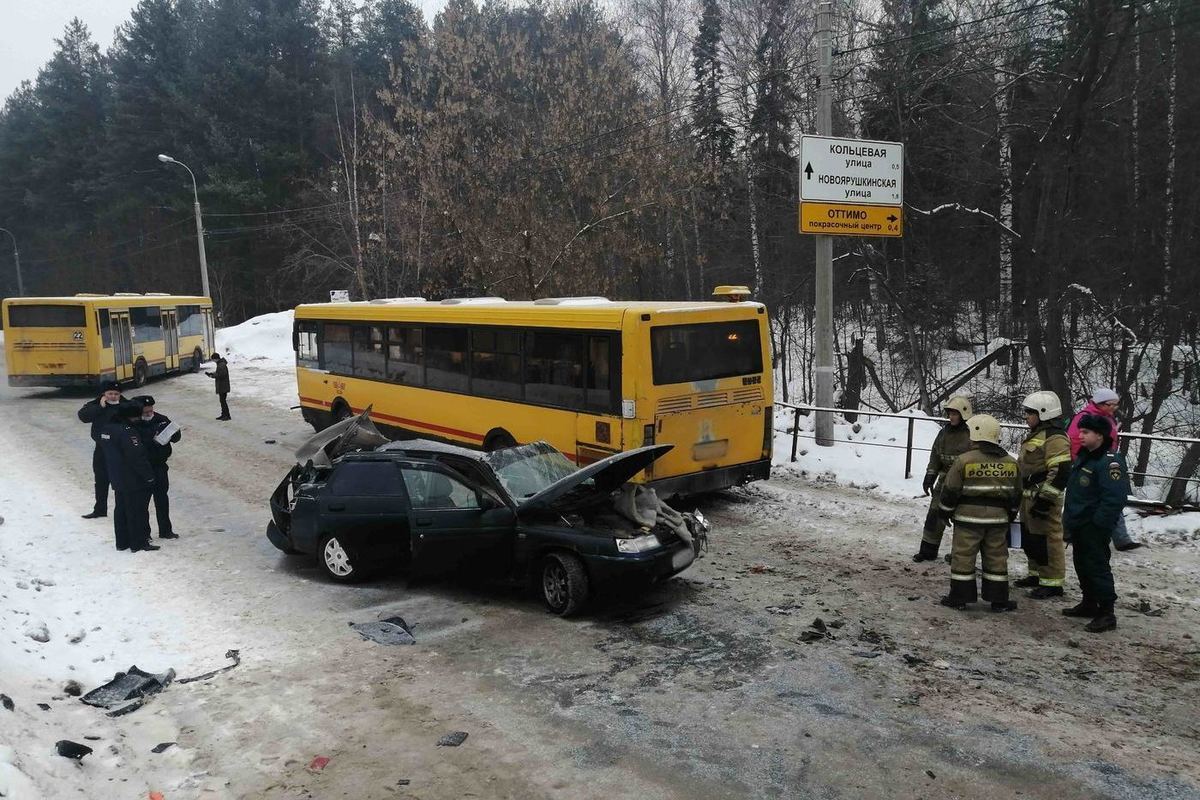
point(824, 276)
point(17, 261)
point(166, 159)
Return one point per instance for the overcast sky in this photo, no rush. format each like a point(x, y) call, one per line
point(28, 29)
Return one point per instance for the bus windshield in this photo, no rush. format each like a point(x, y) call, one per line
point(30, 316)
point(705, 351)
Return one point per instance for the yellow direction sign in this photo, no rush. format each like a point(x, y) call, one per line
point(841, 219)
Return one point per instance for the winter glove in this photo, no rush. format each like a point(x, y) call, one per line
point(927, 484)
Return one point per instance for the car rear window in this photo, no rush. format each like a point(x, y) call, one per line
point(21, 316)
point(705, 351)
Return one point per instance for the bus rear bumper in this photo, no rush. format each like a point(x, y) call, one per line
point(713, 480)
point(54, 381)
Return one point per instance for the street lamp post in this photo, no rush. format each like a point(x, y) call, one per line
point(199, 225)
point(17, 261)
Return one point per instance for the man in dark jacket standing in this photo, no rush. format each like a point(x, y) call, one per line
point(98, 413)
point(150, 425)
point(221, 376)
point(132, 478)
point(1096, 494)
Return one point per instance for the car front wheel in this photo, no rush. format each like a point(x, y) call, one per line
point(338, 560)
point(564, 583)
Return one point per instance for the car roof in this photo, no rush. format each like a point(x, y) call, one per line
point(429, 446)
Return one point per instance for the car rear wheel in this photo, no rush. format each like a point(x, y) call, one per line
point(564, 584)
point(339, 560)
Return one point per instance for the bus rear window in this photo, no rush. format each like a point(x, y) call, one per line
point(21, 316)
point(705, 351)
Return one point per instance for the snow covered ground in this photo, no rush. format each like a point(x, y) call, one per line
point(260, 349)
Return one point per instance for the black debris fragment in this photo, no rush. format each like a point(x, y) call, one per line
point(866, 654)
point(453, 739)
point(929, 772)
point(819, 625)
point(268, 441)
point(235, 655)
point(7, 702)
point(813, 636)
point(161, 746)
point(403, 782)
point(72, 688)
point(128, 691)
point(914, 661)
point(92, 738)
point(393, 630)
point(68, 749)
point(44, 706)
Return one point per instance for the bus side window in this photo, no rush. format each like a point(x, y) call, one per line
point(600, 382)
point(306, 345)
point(405, 356)
point(554, 369)
point(105, 331)
point(446, 358)
point(335, 349)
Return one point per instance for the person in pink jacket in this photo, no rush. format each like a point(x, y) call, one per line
point(1103, 404)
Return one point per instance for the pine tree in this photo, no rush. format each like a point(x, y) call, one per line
point(714, 137)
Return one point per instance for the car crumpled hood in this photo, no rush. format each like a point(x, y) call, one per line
point(607, 474)
point(353, 433)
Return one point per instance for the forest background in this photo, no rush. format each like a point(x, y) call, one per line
point(648, 149)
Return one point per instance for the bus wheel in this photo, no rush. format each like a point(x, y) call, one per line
point(197, 359)
point(139, 374)
point(498, 439)
point(340, 411)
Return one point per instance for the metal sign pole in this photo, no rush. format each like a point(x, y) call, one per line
point(824, 276)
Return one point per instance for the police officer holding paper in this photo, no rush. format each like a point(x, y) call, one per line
point(154, 426)
point(128, 464)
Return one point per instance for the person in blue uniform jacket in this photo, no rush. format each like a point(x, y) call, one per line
point(132, 478)
point(149, 425)
point(1096, 494)
point(98, 413)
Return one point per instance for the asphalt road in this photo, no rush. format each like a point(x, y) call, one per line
point(704, 687)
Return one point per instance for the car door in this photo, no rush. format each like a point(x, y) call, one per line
point(455, 525)
point(365, 503)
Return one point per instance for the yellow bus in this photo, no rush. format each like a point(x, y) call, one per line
point(591, 376)
point(91, 338)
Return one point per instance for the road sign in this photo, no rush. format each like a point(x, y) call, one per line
point(841, 219)
point(339, 295)
point(857, 171)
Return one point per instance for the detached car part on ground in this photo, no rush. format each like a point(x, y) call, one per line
point(357, 501)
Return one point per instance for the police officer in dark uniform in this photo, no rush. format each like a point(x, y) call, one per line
point(98, 413)
point(132, 478)
point(150, 424)
point(1096, 494)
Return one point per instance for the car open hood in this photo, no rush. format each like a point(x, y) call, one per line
point(608, 474)
point(353, 433)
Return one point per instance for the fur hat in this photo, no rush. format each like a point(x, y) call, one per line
point(1096, 424)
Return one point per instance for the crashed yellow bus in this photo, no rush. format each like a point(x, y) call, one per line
point(592, 377)
point(87, 339)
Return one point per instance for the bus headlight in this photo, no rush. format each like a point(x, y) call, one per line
point(638, 544)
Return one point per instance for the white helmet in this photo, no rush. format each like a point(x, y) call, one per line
point(1045, 403)
point(960, 404)
point(984, 428)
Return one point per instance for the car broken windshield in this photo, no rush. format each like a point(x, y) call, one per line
point(526, 470)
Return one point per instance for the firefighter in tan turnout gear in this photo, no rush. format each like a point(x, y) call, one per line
point(981, 494)
point(1045, 463)
point(952, 441)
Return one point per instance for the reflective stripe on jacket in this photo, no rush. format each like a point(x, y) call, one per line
point(1045, 461)
point(983, 487)
point(951, 442)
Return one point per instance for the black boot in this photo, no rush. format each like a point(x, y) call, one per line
point(146, 546)
point(1085, 609)
point(1046, 592)
point(1027, 582)
point(1125, 548)
point(1004, 605)
point(928, 552)
point(168, 535)
point(950, 602)
point(96, 515)
point(1106, 620)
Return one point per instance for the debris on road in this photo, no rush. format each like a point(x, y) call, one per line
point(390, 631)
point(161, 747)
point(453, 739)
point(68, 749)
point(7, 702)
point(1144, 607)
point(128, 691)
point(72, 688)
point(44, 706)
point(38, 632)
point(929, 772)
point(235, 655)
point(866, 654)
point(318, 763)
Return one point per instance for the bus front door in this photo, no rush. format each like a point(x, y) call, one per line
point(170, 329)
point(122, 346)
point(210, 342)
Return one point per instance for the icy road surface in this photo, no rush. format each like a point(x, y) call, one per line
point(702, 688)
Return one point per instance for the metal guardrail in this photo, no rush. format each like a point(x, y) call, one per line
point(798, 408)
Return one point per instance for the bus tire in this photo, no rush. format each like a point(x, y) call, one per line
point(498, 439)
point(139, 373)
point(340, 410)
point(197, 360)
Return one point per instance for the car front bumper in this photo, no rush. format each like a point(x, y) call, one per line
point(649, 567)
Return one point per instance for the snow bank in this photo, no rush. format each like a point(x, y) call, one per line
point(262, 364)
point(868, 454)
